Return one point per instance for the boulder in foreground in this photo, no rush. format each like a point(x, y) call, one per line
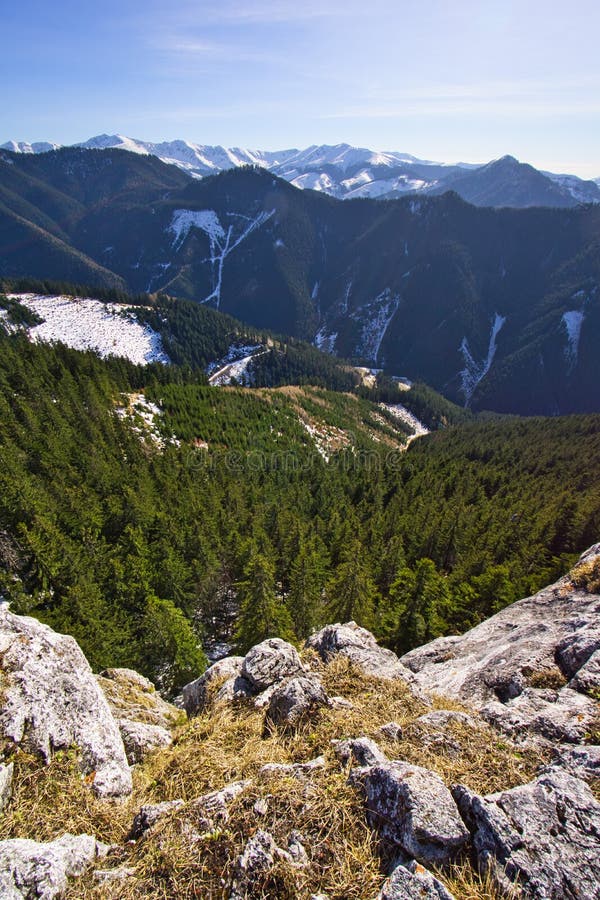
point(543, 836)
point(52, 702)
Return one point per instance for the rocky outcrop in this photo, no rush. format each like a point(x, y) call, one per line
point(260, 855)
point(6, 782)
point(543, 836)
point(295, 700)
point(526, 667)
point(223, 681)
point(149, 815)
point(270, 662)
point(212, 809)
point(134, 698)
point(360, 647)
point(411, 808)
point(144, 719)
point(413, 882)
point(51, 701)
point(361, 751)
point(141, 739)
point(238, 678)
point(30, 869)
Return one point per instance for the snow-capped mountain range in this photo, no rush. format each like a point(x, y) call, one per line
point(348, 172)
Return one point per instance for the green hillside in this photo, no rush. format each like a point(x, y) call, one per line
point(141, 533)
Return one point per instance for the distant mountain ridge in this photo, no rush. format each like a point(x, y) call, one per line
point(348, 172)
point(496, 308)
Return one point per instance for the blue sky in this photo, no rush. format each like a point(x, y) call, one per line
point(460, 80)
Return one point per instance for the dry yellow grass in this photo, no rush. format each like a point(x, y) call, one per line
point(586, 576)
point(179, 859)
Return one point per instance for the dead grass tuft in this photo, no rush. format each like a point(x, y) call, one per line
point(50, 800)
point(586, 576)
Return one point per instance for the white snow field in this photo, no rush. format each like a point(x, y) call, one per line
point(107, 328)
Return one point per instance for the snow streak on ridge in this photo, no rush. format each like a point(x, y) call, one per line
point(572, 320)
point(474, 372)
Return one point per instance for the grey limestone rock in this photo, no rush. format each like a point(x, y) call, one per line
point(574, 650)
point(501, 666)
point(582, 761)
point(198, 694)
point(362, 751)
point(587, 678)
point(549, 716)
point(413, 882)
point(295, 700)
point(149, 815)
point(6, 782)
point(360, 647)
point(134, 698)
point(141, 739)
point(29, 869)
point(270, 662)
point(212, 809)
point(392, 731)
point(543, 836)
point(256, 860)
point(52, 701)
point(301, 771)
point(413, 809)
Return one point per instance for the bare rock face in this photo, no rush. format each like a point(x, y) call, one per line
point(270, 662)
point(221, 681)
point(52, 701)
point(6, 784)
point(259, 856)
point(257, 859)
point(412, 808)
point(564, 716)
point(581, 761)
point(543, 836)
point(587, 678)
point(149, 815)
point(141, 739)
point(134, 698)
point(526, 667)
point(362, 751)
point(30, 869)
point(413, 882)
point(212, 809)
point(295, 700)
point(359, 646)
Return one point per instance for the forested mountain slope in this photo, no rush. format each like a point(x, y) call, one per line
point(497, 308)
point(140, 508)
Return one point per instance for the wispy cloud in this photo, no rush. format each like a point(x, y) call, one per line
point(506, 98)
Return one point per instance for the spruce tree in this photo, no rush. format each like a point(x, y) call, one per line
point(263, 614)
point(352, 592)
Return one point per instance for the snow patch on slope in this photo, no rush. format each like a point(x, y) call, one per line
point(572, 320)
point(234, 364)
point(375, 318)
point(205, 219)
point(221, 242)
point(325, 340)
point(474, 372)
point(402, 413)
point(109, 329)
